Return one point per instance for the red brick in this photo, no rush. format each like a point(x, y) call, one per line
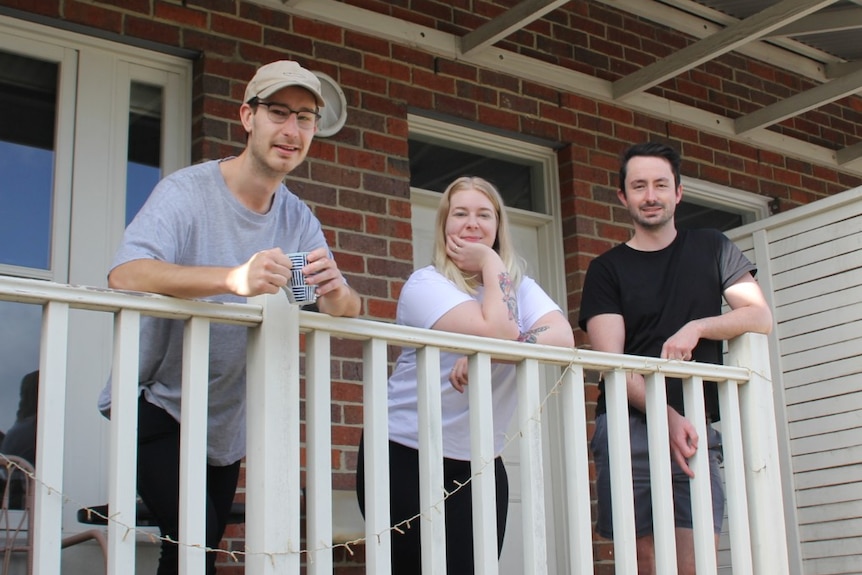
point(139, 6)
point(386, 68)
point(353, 414)
point(362, 202)
point(503, 119)
point(406, 92)
point(318, 30)
point(180, 15)
point(89, 15)
point(341, 219)
point(349, 263)
point(401, 250)
point(47, 8)
point(361, 159)
point(718, 175)
point(224, 6)
point(399, 208)
point(149, 29)
point(236, 28)
point(389, 145)
point(381, 309)
point(615, 233)
point(346, 392)
point(269, 18)
point(434, 82)
point(213, 46)
point(368, 45)
point(345, 435)
point(388, 227)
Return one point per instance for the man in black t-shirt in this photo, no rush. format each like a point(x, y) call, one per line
point(659, 295)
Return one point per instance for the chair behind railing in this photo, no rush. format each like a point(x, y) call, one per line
point(15, 506)
point(18, 489)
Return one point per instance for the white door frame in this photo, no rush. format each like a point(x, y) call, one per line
point(88, 218)
point(547, 268)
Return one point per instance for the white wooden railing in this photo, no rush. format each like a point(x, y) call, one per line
point(273, 488)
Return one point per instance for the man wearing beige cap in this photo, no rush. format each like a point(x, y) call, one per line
point(219, 231)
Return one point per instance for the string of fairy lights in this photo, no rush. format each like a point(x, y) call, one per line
point(237, 556)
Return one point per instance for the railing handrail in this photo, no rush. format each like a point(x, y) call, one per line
point(360, 329)
point(32, 291)
point(26, 290)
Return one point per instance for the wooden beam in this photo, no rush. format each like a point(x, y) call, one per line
point(840, 69)
point(530, 69)
point(823, 22)
point(849, 154)
point(735, 35)
point(516, 18)
point(800, 103)
point(708, 21)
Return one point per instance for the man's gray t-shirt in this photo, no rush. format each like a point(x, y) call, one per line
point(192, 219)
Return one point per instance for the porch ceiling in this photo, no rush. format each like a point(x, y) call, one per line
point(818, 39)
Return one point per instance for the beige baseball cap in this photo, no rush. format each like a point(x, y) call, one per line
point(274, 76)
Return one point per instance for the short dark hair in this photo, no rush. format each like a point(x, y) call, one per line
point(651, 149)
point(27, 402)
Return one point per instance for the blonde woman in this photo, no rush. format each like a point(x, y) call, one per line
point(475, 286)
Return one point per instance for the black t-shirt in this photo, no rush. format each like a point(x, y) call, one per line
point(659, 292)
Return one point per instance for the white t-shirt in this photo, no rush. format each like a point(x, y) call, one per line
point(425, 298)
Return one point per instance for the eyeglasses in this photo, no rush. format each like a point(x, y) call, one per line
point(279, 113)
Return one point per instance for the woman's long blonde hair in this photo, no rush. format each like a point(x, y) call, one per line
point(502, 243)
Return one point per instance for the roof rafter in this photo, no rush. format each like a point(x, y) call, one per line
point(708, 19)
point(735, 35)
point(849, 154)
point(842, 68)
point(511, 20)
point(823, 22)
point(800, 103)
point(819, 66)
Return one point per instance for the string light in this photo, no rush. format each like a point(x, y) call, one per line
point(236, 556)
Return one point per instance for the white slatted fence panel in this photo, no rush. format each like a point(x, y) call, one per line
point(815, 261)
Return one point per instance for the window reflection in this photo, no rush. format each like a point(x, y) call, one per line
point(28, 104)
point(434, 166)
point(143, 169)
point(20, 437)
point(692, 215)
point(28, 100)
point(19, 354)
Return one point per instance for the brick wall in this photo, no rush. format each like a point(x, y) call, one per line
point(358, 180)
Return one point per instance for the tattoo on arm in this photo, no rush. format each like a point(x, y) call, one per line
point(508, 296)
point(530, 336)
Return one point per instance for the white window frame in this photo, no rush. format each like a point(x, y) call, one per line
point(89, 206)
point(25, 42)
point(91, 143)
point(751, 207)
point(551, 268)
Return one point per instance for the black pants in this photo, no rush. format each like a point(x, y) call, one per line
point(404, 503)
point(159, 484)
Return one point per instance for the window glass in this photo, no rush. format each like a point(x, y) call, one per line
point(434, 166)
point(28, 101)
point(691, 215)
point(708, 205)
point(19, 355)
point(143, 169)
